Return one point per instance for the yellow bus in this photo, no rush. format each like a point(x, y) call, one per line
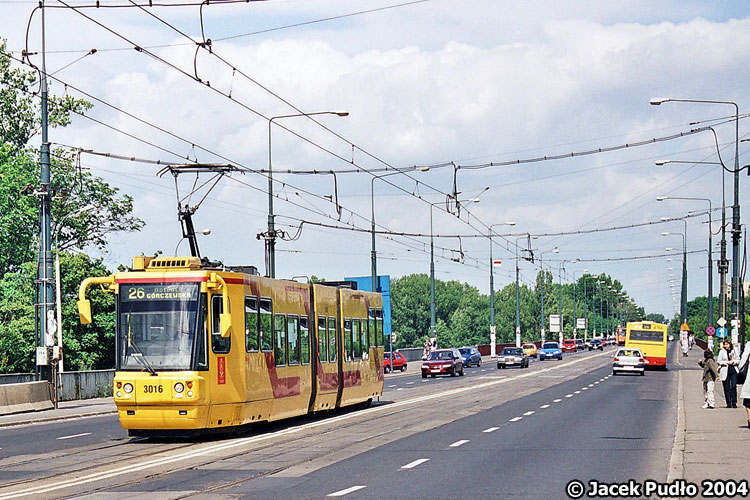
point(651, 339)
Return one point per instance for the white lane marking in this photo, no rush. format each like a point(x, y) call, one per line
point(75, 435)
point(413, 464)
point(515, 419)
point(577, 392)
point(346, 491)
point(596, 382)
point(220, 447)
point(557, 400)
point(530, 412)
point(568, 395)
point(459, 443)
point(491, 429)
point(409, 383)
point(544, 406)
point(394, 385)
point(591, 385)
point(584, 388)
point(400, 389)
point(426, 380)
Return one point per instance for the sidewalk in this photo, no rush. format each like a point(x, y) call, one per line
point(65, 410)
point(709, 444)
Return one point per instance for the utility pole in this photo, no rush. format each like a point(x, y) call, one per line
point(44, 272)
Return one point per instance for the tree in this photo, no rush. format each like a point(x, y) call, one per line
point(85, 211)
point(85, 347)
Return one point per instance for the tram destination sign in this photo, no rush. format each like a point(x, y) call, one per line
point(158, 291)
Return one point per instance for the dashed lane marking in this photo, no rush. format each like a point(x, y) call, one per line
point(557, 400)
point(413, 464)
point(530, 412)
point(75, 435)
point(569, 395)
point(409, 383)
point(459, 443)
point(394, 385)
point(544, 406)
point(491, 429)
point(577, 392)
point(515, 419)
point(346, 491)
point(584, 388)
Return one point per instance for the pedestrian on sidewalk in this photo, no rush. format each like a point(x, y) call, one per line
point(710, 374)
point(727, 360)
point(745, 393)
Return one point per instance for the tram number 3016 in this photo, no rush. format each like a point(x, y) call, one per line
point(151, 389)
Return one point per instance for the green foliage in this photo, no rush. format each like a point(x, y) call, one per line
point(85, 211)
point(462, 313)
point(85, 347)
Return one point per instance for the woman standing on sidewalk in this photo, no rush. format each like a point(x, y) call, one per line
point(728, 358)
point(745, 394)
point(710, 374)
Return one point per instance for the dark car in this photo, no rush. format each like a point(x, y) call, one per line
point(596, 344)
point(394, 361)
point(443, 362)
point(550, 350)
point(579, 344)
point(471, 356)
point(513, 356)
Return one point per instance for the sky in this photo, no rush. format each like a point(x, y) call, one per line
point(460, 96)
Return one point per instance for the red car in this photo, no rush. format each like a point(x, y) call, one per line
point(569, 345)
point(397, 359)
point(443, 362)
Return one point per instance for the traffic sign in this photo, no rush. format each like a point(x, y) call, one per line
point(710, 330)
point(721, 332)
point(721, 321)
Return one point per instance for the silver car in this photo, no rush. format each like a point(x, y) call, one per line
point(512, 356)
point(628, 359)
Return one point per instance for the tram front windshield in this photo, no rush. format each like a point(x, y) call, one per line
point(157, 325)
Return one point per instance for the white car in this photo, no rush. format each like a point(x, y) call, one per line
point(628, 359)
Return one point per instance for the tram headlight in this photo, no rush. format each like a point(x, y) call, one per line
point(128, 388)
point(179, 387)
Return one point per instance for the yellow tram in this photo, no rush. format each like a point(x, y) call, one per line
point(204, 348)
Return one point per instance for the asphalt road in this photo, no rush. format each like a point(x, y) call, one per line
point(491, 434)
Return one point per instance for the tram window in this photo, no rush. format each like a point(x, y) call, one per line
point(304, 340)
point(201, 341)
point(251, 324)
point(347, 340)
point(365, 342)
point(331, 339)
point(322, 340)
point(292, 332)
point(266, 338)
point(219, 344)
point(356, 337)
point(371, 327)
point(279, 346)
point(380, 334)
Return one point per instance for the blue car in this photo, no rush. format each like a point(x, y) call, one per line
point(471, 356)
point(550, 350)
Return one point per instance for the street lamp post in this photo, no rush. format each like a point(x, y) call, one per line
point(493, 337)
point(723, 264)
point(518, 309)
point(683, 295)
point(736, 229)
point(270, 237)
point(433, 324)
point(544, 283)
point(710, 270)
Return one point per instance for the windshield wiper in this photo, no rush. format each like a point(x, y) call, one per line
point(138, 354)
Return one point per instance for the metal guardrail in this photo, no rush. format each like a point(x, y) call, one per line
point(85, 384)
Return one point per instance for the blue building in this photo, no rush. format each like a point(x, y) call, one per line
point(384, 287)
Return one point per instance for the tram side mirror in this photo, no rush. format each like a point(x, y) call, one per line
point(226, 324)
point(84, 311)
